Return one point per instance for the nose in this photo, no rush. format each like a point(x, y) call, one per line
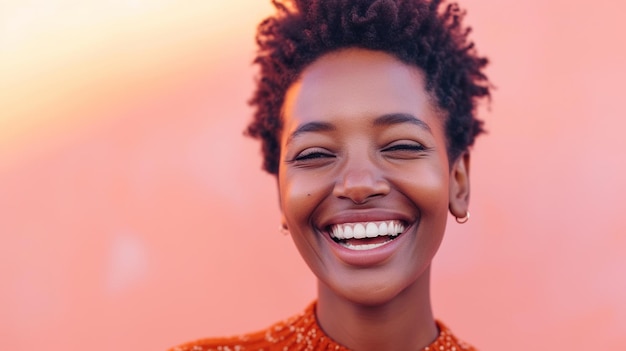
point(360, 183)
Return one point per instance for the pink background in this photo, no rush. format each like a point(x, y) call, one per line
point(134, 214)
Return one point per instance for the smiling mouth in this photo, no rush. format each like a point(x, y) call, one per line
point(366, 235)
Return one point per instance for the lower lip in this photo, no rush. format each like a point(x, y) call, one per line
point(369, 257)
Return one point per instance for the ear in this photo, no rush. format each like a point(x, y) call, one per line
point(283, 220)
point(460, 186)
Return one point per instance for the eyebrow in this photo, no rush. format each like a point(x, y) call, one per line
point(311, 127)
point(399, 118)
point(384, 120)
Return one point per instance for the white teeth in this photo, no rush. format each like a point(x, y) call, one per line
point(347, 232)
point(371, 230)
point(383, 228)
point(364, 247)
point(366, 230)
point(337, 231)
point(359, 231)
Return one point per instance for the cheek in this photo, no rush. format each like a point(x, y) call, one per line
point(301, 193)
point(428, 187)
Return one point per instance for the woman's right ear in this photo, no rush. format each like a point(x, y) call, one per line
point(283, 220)
point(283, 228)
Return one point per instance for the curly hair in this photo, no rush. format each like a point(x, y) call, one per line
point(422, 33)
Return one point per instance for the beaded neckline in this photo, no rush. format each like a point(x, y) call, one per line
point(302, 332)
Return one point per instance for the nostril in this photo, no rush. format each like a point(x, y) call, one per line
point(362, 191)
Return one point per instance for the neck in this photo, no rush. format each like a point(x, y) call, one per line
point(405, 322)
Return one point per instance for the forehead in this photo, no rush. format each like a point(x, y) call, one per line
point(356, 82)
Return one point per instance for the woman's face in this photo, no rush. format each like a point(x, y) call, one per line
point(364, 179)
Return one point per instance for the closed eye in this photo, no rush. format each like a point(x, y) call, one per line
point(405, 147)
point(312, 154)
point(404, 150)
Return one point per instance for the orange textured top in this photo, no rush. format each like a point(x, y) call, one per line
point(301, 332)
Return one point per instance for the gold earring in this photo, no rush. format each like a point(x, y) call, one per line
point(462, 220)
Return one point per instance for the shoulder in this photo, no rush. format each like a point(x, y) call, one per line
point(299, 332)
point(259, 340)
point(447, 341)
point(252, 341)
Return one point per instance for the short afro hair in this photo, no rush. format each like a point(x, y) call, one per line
point(422, 33)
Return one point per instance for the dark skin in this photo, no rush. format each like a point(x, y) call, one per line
point(364, 144)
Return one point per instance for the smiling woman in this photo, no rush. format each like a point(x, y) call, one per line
point(366, 112)
point(373, 163)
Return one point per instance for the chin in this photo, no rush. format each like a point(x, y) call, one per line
point(372, 298)
point(374, 291)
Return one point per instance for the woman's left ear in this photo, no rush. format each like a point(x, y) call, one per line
point(460, 186)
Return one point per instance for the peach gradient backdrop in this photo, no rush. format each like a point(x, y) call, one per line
point(134, 214)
